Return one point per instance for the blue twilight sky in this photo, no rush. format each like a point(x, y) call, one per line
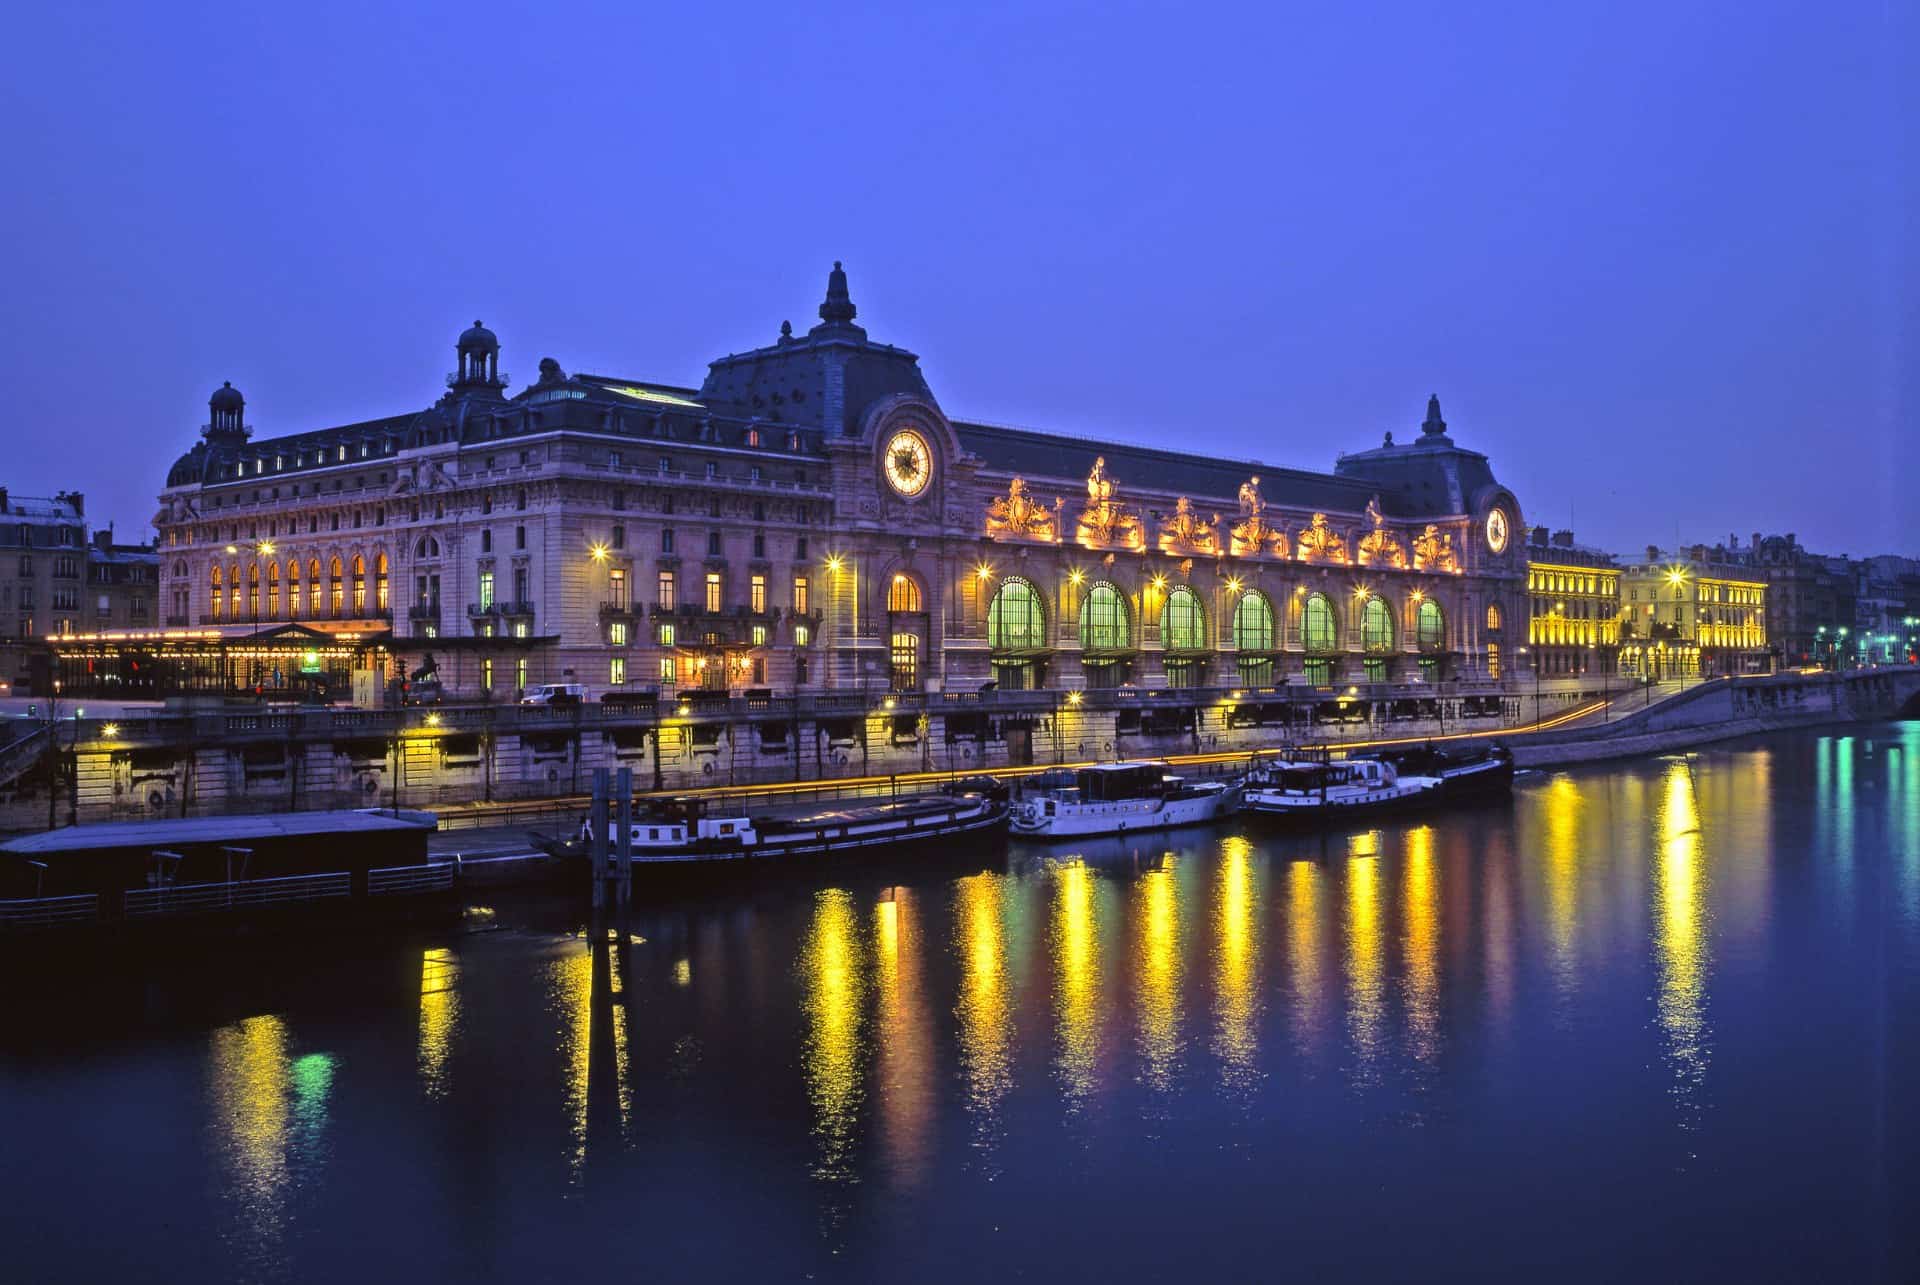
point(1659, 261)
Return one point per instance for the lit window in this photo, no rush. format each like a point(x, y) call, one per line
point(666, 635)
point(758, 589)
point(664, 596)
point(713, 591)
point(617, 670)
point(802, 635)
point(800, 595)
point(666, 669)
point(617, 633)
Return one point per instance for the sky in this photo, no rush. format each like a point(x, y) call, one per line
point(1658, 261)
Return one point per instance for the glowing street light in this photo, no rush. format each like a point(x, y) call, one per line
point(598, 552)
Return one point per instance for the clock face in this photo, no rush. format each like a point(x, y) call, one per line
point(908, 463)
point(1497, 530)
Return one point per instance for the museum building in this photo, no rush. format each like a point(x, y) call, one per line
point(809, 518)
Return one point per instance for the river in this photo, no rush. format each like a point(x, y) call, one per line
point(1652, 1020)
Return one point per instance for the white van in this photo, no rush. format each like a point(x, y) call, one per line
point(556, 694)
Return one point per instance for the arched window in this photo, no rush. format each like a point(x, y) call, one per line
point(1316, 623)
point(904, 593)
point(216, 592)
point(180, 569)
point(1103, 619)
point(380, 581)
point(1432, 626)
point(1376, 626)
point(359, 585)
point(1253, 623)
point(1015, 618)
point(233, 591)
point(313, 587)
point(293, 588)
point(336, 594)
point(427, 548)
point(1493, 617)
point(273, 591)
point(1183, 623)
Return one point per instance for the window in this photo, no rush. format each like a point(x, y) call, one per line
point(759, 635)
point(313, 587)
point(1431, 625)
point(520, 674)
point(905, 653)
point(1493, 660)
point(619, 538)
point(800, 595)
point(1316, 623)
point(712, 468)
point(617, 633)
point(1253, 623)
point(336, 595)
point(903, 594)
point(666, 540)
point(1376, 626)
point(800, 549)
point(616, 670)
point(666, 635)
point(359, 586)
point(759, 544)
point(486, 542)
point(380, 598)
point(486, 673)
point(520, 499)
point(1103, 619)
point(666, 669)
point(713, 544)
point(713, 591)
point(617, 588)
point(663, 596)
point(1015, 618)
point(519, 537)
point(486, 590)
point(666, 465)
point(1183, 623)
point(757, 593)
point(802, 635)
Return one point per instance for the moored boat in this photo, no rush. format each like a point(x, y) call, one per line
point(1318, 791)
point(1463, 774)
point(1119, 798)
point(680, 831)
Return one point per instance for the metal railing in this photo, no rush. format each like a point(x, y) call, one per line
point(28, 914)
point(213, 898)
point(403, 880)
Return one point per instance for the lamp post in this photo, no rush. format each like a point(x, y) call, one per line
point(1534, 664)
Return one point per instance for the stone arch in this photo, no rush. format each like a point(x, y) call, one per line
point(1430, 625)
point(1253, 622)
point(1183, 620)
point(1319, 625)
point(1377, 633)
point(905, 592)
point(1016, 616)
point(1106, 617)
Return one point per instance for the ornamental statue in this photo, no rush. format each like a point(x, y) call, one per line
point(1320, 542)
point(1020, 516)
point(1379, 546)
point(1188, 530)
point(1433, 551)
point(1252, 533)
point(1105, 520)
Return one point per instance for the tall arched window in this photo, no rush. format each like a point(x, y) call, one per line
point(1432, 626)
point(215, 611)
point(336, 594)
point(1376, 626)
point(359, 585)
point(233, 591)
point(1183, 622)
point(1253, 623)
point(273, 591)
point(293, 588)
point(1316, 623)
point(313, 587)
point(1103, 619)
point(1015, 618)
point(1493, 617)
point(904, 593)
point(380, 600)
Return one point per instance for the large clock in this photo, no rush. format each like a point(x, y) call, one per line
point(908, 463)
point(1497, 530)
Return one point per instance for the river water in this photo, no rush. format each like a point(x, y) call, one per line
point(1658, 1020)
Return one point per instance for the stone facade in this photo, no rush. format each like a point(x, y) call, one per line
point(1694, 612)
point(1573, 618)
point(811, 519)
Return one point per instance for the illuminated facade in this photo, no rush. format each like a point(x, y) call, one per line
point(810, 518)
point(1573, 606)
point(1689, 614)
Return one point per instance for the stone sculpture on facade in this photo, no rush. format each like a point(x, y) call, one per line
point(1380, 547)
point(1253, 533)
point(1187, 530)
point(1018, 515)
point(1321, 543)
point(1433, 551)
point(1105, 520)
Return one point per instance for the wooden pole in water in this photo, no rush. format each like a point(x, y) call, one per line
point(623, 849)
point(597, 845)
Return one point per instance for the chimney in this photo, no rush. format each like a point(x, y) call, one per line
point(1653, 553)
point(1537, 537)
point(1563, 539)
point(1756, 540)
point(4, 508)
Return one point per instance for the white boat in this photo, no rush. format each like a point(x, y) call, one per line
point(1317, 791)
point(678, 831)
point(1119, 798)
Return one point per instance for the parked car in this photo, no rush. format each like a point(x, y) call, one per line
point(556, 694)
point(426, 692)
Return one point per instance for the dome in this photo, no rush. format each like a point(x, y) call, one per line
point(478, 339)
point(226, 397)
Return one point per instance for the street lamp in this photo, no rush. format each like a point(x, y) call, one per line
point(1535, 664)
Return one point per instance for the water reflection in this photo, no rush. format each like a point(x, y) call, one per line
point(831, 970)
point(1420, 895)
point(1078, 995)
point(1157, 968)
point(1366, 986)
point(1306, 1000)
point(439, 1017)
point(1562, 811)
point(269, 1115)
point(1680, 937)
point(1236, 982)
point(984, 1009)
point(904, 1036)
point(582, 993)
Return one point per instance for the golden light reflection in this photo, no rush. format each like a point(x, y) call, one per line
point(252, 1109)
point(1364, 844)
point(1421, 896)
point(589, 1039)
point(832, 977)
point(1680, 934)
point(984, 1008)
point(1236, 983)
point(907, 1085)
point(439, 1017)
point(1563, 808)
point(1307, 1004)
point(1157, 973)
point(1366, 986)
point(1078, 1001)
